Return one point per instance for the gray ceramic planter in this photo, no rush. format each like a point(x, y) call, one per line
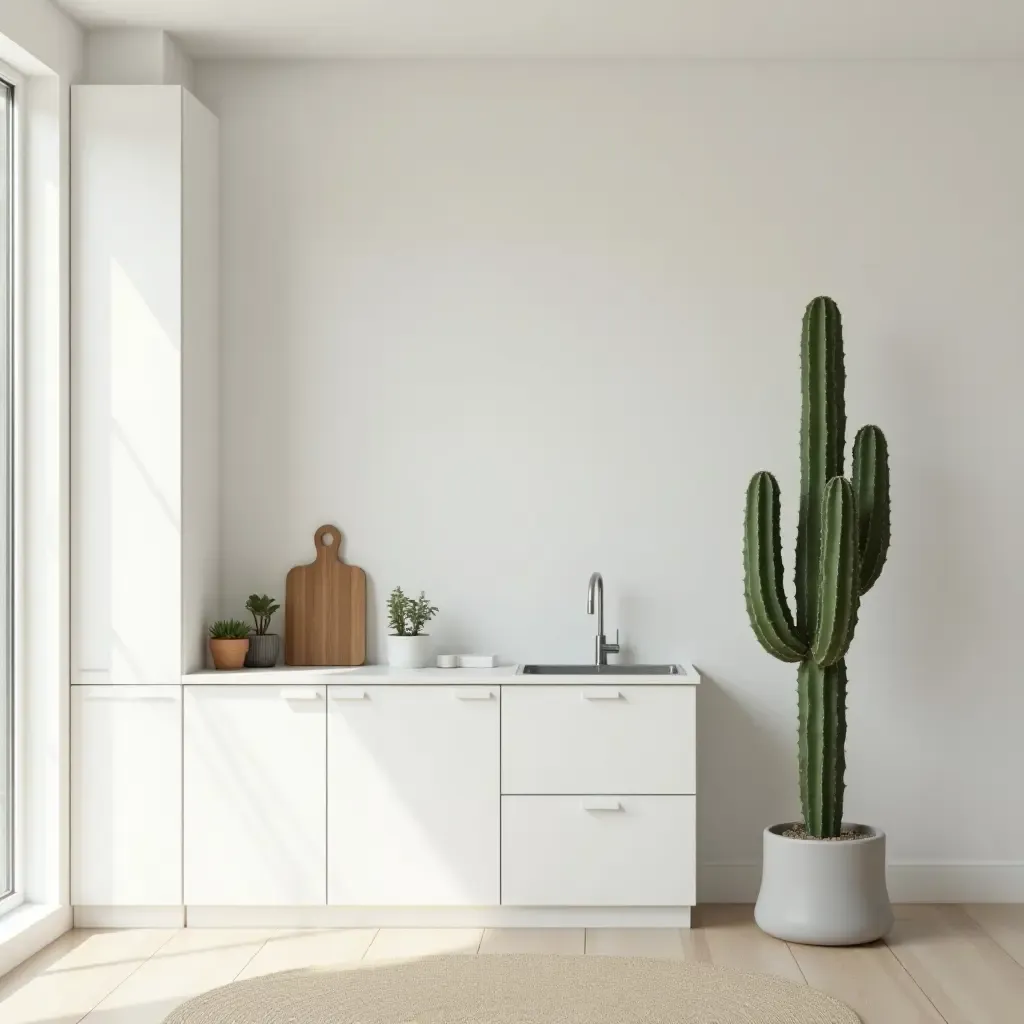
point(263, 650)
point(824, 893)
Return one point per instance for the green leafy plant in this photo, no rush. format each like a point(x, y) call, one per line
point(398, 605)
point(229, 629)
point(262, 609)
point(408, 615)
point(842, 542)
point(421, 611)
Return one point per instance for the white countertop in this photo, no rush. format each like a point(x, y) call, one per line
point(384, 675)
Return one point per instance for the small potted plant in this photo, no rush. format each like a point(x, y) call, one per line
point(229, 641)
point(264, 647)
point(408, 645)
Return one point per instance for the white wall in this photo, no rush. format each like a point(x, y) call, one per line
point(136, 56)
point(36, 37)
point(507, 323)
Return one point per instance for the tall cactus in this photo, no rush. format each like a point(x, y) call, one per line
point(842, 541)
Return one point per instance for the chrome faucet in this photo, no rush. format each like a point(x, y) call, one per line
point(601, 648)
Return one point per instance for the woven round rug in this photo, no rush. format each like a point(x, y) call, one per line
point(516, 989)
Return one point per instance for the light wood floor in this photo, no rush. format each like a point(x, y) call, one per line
point(958, 964)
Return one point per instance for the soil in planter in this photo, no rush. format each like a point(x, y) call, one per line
point(800, 832)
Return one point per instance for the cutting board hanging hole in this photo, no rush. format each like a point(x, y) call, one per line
point(325, 539)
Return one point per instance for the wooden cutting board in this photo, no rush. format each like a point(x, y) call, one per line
point(325, 608)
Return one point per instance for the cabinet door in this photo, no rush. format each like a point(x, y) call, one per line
point(126, 795)
point(413, 795)
point(255, 795)
point(126, 378)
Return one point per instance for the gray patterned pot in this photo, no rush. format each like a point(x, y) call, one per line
point(824, 892)
point(263, 650)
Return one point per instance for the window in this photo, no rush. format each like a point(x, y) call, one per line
point(6, 477)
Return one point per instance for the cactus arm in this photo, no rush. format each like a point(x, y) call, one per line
point(822, 751)
point(839, 583)
point(769, 613)
point(822, 438)
point(871, 486)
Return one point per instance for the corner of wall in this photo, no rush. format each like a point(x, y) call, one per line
point(178, 68)
point(136, 56)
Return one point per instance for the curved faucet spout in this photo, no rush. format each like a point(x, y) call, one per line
point(596, 585)
point(595, 595)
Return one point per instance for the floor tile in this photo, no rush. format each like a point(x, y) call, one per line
point(658, 942)
point(969, 977)
point(315, 948)
point(407, 943)
point(1003, 922)
point(193, 961)
point(734, 940)
point(533, 940)
point(870, 980)
point(88, 967)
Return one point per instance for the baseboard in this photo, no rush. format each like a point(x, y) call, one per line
point(728, 883)
point(986, 882)
point(129, 917)
point(978, 882)
point(438, 917)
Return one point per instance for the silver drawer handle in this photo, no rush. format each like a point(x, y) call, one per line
point(472, 693)
point(602, 694)
point(297, 693)
point(601, 804)
point(348, 694)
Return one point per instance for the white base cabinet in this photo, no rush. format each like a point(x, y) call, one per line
point(126, 795)
point(255, 795)
point(370, 802)
point(413, 802)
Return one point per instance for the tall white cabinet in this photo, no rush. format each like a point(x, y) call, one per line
point(144, 474)
point(144, 258)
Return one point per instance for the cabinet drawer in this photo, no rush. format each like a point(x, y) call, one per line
point(620, 851)
point(598, 739)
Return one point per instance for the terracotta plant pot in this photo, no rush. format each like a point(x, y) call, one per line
point(229, 654)
point(263, 650)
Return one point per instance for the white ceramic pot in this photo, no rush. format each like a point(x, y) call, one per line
point(409, 651)
point(824, 892)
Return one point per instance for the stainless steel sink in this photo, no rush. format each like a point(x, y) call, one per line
point(602, 670)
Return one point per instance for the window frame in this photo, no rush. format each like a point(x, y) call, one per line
point(9, 493)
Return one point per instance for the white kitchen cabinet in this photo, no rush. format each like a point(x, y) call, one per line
point(255, 769)
point(413, 803)
point(598, 851)
point(144, 373)
point(369, 796)
point(126, 796)
point(598, 739)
